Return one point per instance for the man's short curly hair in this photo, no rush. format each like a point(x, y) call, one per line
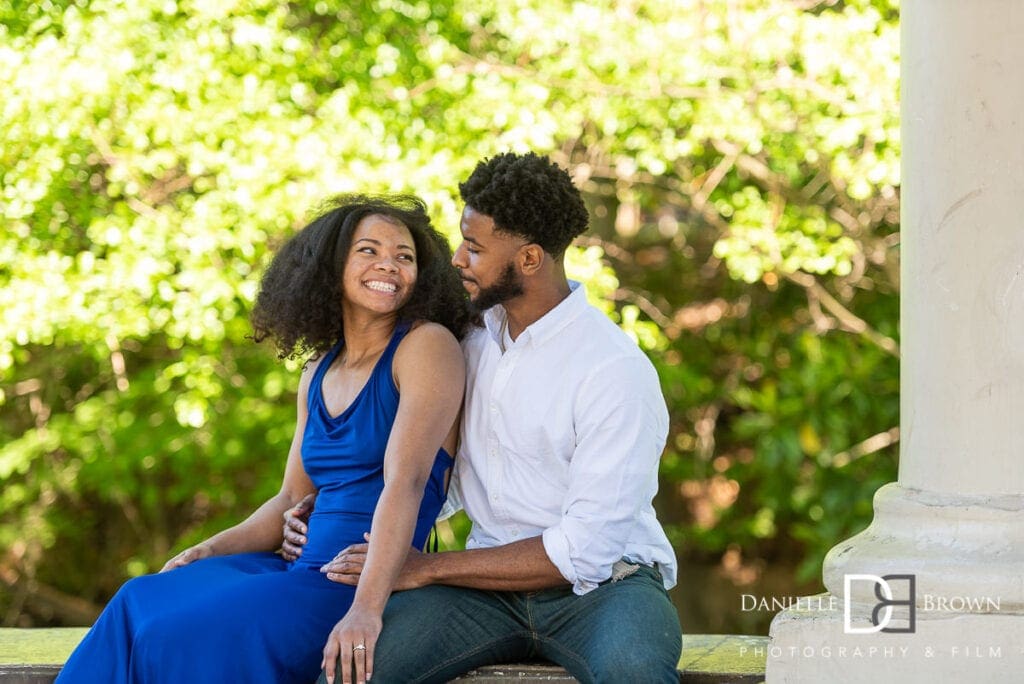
point(530, 196)
point(300, 298)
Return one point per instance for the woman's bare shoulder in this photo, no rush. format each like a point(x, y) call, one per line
point(428, 345)
point(429, 336)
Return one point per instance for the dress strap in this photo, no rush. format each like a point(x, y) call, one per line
point(314, 395)
point(401, 329)
point(384, 369)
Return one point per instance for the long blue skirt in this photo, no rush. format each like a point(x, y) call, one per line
point(249, 617)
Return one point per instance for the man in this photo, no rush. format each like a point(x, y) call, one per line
point(563, 427)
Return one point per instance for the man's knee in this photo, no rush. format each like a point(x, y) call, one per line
point(437, 632)
point(637, 660)
point(395, 665)
point(635, 633)
point(405, 646)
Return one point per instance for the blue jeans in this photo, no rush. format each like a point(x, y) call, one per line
point(625, 630)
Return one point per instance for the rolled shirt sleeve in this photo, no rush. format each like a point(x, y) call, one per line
point(621, 426)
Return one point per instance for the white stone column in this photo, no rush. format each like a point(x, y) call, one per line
point(955, 519)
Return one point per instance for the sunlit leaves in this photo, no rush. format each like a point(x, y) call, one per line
point(155, 152)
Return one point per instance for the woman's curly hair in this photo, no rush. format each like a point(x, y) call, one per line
point(530, 196)
point(300, 298)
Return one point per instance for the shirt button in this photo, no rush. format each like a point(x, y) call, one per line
point(494, 497)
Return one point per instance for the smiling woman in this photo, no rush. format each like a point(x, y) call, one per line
point(368, 292)
point(382, 259)
point(300, 303)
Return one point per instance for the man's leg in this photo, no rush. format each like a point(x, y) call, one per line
point(623, 631)
point(436, 633)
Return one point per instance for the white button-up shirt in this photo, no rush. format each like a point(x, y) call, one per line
point(561, 437)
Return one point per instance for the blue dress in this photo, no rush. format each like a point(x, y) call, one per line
point(255, 617)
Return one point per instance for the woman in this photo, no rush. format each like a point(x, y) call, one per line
point(368, 290)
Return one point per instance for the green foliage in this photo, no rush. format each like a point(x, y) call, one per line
point(740, 160)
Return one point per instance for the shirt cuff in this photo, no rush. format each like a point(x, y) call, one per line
point(557, 548)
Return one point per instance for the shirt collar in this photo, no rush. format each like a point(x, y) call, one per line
point(547, 325)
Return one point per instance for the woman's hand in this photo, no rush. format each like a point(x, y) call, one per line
point(350, 647)
point(189, 555)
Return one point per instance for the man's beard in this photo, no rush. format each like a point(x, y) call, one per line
point(509, 285)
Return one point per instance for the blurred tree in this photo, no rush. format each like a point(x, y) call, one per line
point(740, 159)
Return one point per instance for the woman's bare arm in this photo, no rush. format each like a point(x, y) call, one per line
point(430, 372)
point(262, 530)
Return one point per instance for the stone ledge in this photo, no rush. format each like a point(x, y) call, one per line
point(34, 656)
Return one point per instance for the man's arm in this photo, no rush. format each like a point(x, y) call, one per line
point(621, 424)
point(296, 521)
point(520, 566)
point(612, 478)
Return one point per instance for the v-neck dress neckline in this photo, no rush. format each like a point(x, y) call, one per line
point(396, 336)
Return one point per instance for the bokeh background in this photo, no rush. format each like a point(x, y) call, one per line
point(739, 159)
